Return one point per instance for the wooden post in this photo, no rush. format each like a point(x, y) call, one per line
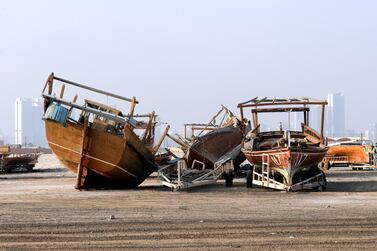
point(73, 101)
point(242, 121)
point(50, 81)
point(147, 133)
point(323, 120)
point(305, 118)
point(133, 104)
point(79, 183)
point(178, 141)
point(255, 119)
point(308, 117)
point(62, 91)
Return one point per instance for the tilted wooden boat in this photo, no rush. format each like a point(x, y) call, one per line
point(101, 146)
point(210, 152)
point(210, 147)
point(289, 157)
point(204, 149)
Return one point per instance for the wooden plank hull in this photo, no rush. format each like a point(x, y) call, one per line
point(288, 162)
point(110, 160)
point(210, 147)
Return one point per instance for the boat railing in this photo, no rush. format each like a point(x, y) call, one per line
point(47, 94)
point(52, 77)
point(59, 109)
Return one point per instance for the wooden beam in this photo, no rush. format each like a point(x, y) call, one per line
point(93, 89)
point(79, 177)
point(323, 120)
point(62, 91)
point(242, 121)
point(178, 141)
point(285, 103)
point(283, 109)
point(147, 133)
point(133, 104)
point(155, 149)
point(73, 101)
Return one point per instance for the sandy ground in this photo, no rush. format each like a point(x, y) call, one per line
point(41, 210)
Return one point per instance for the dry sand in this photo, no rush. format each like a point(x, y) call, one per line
point(41, 210)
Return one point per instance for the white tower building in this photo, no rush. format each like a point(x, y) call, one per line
point(28, 122)
point(336, 122)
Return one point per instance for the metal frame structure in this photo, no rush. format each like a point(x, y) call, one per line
point(188, 178)
point(263, 179)
point(185, 178)
point(282, 105)
point(210, 126)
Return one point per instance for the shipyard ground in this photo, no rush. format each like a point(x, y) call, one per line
point(42, 211)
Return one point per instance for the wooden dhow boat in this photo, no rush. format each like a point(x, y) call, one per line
point(210, 151)
point(285, 159)
point(101, 144)
point(205, 144)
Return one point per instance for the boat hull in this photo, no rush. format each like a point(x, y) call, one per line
point(288, 162)
point(352, 154)
point(211, 147)
point(110, 160)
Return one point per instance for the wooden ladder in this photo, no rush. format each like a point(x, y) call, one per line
point(266, 169)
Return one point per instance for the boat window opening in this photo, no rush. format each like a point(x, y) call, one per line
point(280, 122)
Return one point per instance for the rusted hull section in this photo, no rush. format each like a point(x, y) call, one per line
point(350, 154)
point(210, 147)
point(110, 160)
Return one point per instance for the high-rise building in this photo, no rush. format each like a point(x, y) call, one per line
point(372, 132)
point(29, 129)
point(1, 138)
point(315, 118)
point(336, 122)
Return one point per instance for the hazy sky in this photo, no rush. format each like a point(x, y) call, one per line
point(184, 58)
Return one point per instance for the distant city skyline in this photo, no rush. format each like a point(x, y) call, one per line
point(29, 127)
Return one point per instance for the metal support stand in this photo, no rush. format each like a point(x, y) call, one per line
point(177, 176)
point(263, 178)
point(266, 178)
